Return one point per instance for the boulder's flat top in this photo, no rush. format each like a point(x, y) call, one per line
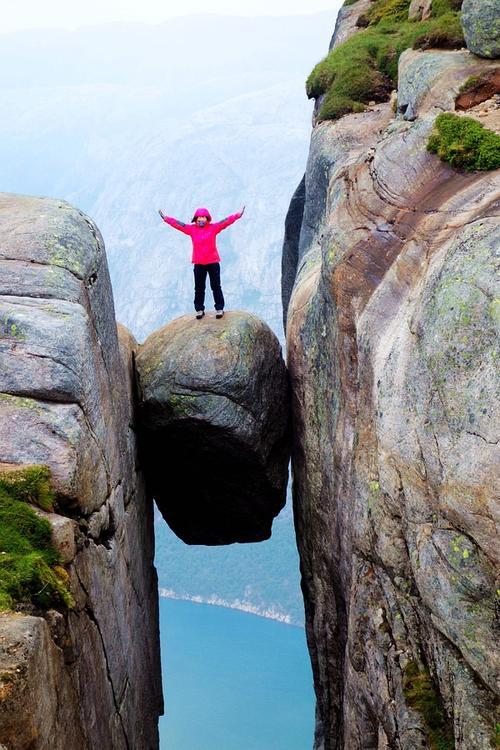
point(207, 353)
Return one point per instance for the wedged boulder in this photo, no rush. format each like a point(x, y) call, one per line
point(214, 416)
point(481, 25)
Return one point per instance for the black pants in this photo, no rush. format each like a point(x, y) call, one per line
point(200, 278)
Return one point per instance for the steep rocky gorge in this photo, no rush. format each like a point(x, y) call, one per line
point(391, 303)
point(201, 424)
point(391, 294)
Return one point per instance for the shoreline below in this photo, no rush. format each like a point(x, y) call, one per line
point(215, 601)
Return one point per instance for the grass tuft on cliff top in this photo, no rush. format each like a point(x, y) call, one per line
point(469, 84)
point(364, 68)
point(464, 143)
point(29, 563)
point(31, 484)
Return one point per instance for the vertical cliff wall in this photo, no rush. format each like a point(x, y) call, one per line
point(89, 677)
point(392, 335)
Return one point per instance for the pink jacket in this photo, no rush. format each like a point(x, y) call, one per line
point(203, 238)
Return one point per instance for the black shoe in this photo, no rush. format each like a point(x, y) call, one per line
point(219, 313)
point(200, 314)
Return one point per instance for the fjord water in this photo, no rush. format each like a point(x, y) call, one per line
point(233, 681)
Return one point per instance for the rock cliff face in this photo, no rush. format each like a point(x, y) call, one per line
point(214, 408)
point(90, 678)
point(392, 335)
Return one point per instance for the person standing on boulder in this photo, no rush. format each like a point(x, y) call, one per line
point(205, 254)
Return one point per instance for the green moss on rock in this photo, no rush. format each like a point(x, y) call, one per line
point(440, 7)
point(364, 68)
point(422, 696)
point(29, 484)
point(469, 84)
point(29, 563)
point(464, 143)
point(446, 34)
point(388, 11)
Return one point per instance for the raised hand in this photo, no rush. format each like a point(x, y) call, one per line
point(242, 211)
point(161, 213)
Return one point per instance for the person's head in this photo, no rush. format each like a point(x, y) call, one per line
point(201, 217)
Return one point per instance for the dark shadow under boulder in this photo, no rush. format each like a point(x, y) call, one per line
point(214, 421)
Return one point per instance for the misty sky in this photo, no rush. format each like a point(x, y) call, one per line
point(30, 14)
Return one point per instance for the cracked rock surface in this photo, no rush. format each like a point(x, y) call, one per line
point(392, 340)
point(214, 413)
point(66, 400)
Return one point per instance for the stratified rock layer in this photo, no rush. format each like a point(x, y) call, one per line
point(481, 25)
point(90, 677)
point(214, 414)
point(392, 340)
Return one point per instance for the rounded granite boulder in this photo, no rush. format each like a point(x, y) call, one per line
point(481, 25)
point(214, 420)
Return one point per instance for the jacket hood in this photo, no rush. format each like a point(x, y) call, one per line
point(201, 212)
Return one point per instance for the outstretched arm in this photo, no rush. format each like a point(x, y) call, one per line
point(175, 223)
point(220, 225)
